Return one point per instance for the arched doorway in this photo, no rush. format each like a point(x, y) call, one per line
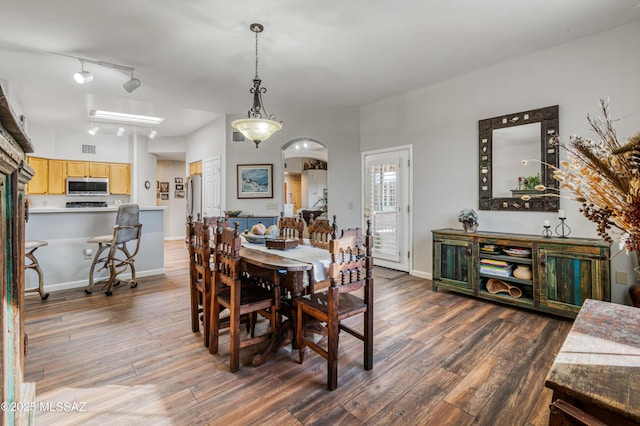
point(305, 177)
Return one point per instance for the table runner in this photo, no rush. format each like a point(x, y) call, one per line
point(317, 257)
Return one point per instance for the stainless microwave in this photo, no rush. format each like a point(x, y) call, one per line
point(87, 186)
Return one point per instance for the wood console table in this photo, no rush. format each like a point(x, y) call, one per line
point(596, 375)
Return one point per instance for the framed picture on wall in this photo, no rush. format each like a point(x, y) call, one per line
point(179, 187)
point(179, 194)
point(178, 180)
point(255, 181)
point(164, 186)
point(164, 196)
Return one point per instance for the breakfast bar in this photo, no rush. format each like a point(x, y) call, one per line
point(65, 261)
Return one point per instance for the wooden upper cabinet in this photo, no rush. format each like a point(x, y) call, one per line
point(77, 168)
point(40, 182)
point(99, 170)
point(120, 178)
point(87, 169)
point(195, 168)
point(57, 177)
point(50, 175)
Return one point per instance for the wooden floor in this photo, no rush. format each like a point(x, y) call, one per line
point(440, 358)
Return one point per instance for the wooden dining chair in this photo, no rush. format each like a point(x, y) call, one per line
point(200, 272)
point(291, 228)
point(321, 231)
point(241, 292)
point(350, 270)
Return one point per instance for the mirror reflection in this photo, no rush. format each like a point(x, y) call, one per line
point(511, 145)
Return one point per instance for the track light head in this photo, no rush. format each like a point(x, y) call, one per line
point(82, 76)
point(120, 131)
point(153, 133)
point(93, 130)
point(132, 84)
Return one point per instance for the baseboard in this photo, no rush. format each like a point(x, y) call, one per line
point(84, 283)
point(421, 274)
point(174, 238)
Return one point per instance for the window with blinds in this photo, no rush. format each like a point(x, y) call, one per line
point(384, 206)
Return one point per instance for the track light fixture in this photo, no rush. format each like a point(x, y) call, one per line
point(85, 76)
point(153, 133)
point(132, 84)
point(93, 129)
point(258, 125)
point(82, 76)
point(120, 131)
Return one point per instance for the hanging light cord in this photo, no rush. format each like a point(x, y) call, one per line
point(257, 54)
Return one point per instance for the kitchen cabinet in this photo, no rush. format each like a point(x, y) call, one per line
point(99, 170)
point(57, 177)
point(559, 273)
point(40, 182)
point(77, 169)
point(87, 169)
point(14, 175)
point(120, 181)
point(51, 175)
point(195, 168)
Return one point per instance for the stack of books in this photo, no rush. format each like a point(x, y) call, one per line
point(496, 267)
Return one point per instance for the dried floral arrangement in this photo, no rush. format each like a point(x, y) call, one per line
point(604, 175)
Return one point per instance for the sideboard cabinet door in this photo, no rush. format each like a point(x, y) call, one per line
point(568, 278)
point(452, 263)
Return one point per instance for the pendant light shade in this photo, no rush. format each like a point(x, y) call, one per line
point(254, 126)
point(256, 129)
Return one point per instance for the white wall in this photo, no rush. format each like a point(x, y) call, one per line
point(175, 213)
point(65, 145)
point(441, 121)
point(143, 169)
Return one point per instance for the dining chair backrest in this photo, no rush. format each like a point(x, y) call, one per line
point(351, 260)
point(227, 253)
point(198, 240)
point(291, 228)
point(321, 231)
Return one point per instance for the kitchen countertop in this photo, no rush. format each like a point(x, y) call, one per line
point(38, 210)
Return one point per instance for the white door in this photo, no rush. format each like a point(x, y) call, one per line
point(212, 175)
point(387, 204)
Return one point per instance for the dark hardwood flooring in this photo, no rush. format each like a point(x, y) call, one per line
point(440, 359)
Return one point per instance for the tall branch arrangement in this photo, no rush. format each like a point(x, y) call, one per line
point(604, 175)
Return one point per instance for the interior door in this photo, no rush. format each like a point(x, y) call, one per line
point(296, 192)
point(387, 203)
point(212, 175)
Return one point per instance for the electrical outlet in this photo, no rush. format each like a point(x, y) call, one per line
point(88, 254)
point(622, 277)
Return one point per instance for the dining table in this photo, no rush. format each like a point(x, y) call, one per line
point(299, 269)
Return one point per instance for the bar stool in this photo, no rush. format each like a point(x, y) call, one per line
point(32, 246)
point(113, 254)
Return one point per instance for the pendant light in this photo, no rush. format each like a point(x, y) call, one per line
point(258, 125)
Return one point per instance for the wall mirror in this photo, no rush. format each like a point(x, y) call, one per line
point(504, 142)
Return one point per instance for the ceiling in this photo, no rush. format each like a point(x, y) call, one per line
point(195, 58)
